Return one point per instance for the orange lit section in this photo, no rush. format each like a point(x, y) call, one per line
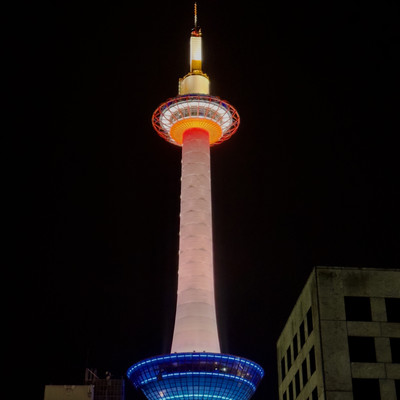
point(178, 129)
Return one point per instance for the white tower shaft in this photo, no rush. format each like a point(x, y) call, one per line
point(195, 321)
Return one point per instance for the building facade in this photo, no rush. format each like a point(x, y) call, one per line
point(94, 388)
point(69, 392)
point(342, 338)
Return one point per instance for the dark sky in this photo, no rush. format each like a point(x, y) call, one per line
point(310, 178)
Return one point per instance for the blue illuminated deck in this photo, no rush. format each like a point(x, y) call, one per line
point(196, 376)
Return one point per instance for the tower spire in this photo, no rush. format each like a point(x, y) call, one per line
point(196, 31)
point(195, 15)
point(196, 81)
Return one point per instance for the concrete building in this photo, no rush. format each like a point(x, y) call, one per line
point(94, 388)
point(342, 338)
point(102, 389)
point(68, 392)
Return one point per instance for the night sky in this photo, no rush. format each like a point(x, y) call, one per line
point(310, 178)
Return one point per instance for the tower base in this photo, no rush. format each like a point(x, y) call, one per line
point(196, 376)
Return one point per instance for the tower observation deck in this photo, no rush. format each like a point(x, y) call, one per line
point(196, 369)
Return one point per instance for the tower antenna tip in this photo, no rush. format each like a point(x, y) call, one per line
point(196, 31)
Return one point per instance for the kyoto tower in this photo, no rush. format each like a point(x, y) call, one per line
point(195, 368)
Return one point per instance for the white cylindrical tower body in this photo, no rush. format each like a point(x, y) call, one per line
point(195, 321)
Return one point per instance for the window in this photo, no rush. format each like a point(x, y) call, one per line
point(290, 392)
point(297, 382)
point(395, 349)
point(302, 335)
point(284, 396)
point(304, 372)
point(366, 389)
point(312, 360)
point(283, 372)
point(392, 309)
point(314, 394)
point(362, 349)
point(295, 347)
point(309, 321)
point(288, 358)
point(357, 308)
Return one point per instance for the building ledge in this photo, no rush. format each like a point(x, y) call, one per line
point(368, 370)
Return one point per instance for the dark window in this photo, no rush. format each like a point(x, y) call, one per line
point(357, 308)
point(283, 368)
point(397, 387)
point(392, 309)
point(289, 358)
point(295, 347)
point(312, 360)
point(395, 349)
point(302, 335)
point(366, 389)
point(309, 321)
point(314, 394)
point(297, 383)
point(304, 372)
point(362, 349)
point(290, 392)
point(284, 396)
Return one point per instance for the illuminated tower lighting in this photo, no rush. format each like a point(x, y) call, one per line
point(195, 368)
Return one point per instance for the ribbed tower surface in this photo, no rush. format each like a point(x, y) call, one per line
point(195, 321)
